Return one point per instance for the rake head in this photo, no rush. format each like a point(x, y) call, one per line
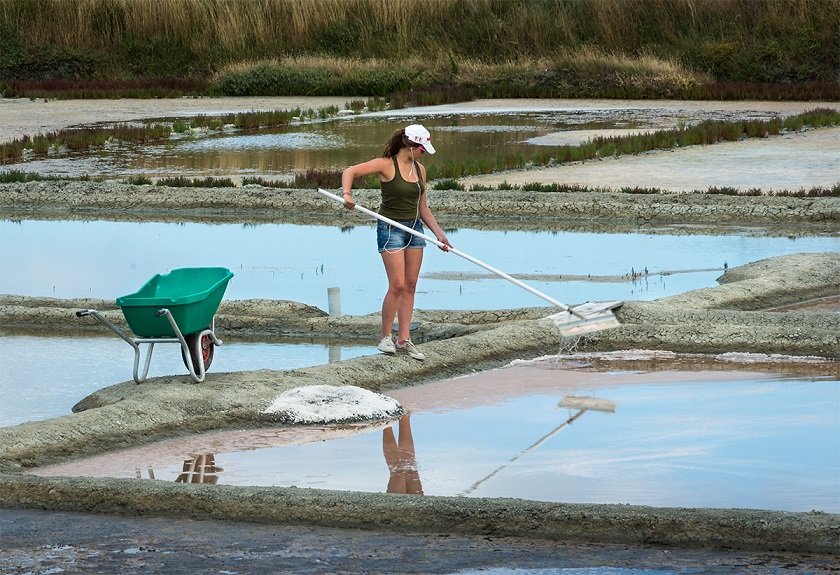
point(587, 403)
point(571, 324)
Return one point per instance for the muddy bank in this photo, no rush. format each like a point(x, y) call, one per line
point(743, 529)
point(95, 543)
point(712, 320)
point(503, 209)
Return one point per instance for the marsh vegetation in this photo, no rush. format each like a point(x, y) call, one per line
point(549, 48)
point(445, 172)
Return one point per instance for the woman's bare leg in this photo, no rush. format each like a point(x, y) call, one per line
point(395, 270)
point(405, 309)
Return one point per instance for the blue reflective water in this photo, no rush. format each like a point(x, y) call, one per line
point(755, 444)
point(286, 261)
point(43, 377)
point(685, 439)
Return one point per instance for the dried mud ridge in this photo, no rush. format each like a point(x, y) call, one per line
point(726, 318)
point(498, 209)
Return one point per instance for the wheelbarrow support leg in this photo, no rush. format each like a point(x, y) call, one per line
point(138, 377)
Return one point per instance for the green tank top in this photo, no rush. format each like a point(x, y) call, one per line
point(399, 197)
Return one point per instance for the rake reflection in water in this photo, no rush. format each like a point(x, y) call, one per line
point(582, 404)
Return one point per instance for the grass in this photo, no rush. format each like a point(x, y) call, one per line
point(244, 120)
point(103, 89)
point(312, 178)
point(813, 192)
point(585, 73)
point(17, 176)
point(89, 138)
point(181, 46)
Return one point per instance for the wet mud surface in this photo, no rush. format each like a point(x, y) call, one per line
point(41, 542)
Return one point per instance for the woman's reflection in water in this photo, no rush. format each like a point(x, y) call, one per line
point(399, 455)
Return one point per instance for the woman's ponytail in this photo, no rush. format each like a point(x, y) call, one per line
point(395, 143)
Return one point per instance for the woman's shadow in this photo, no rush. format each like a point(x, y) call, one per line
point(399, 455)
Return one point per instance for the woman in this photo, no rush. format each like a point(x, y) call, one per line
point(403, 183)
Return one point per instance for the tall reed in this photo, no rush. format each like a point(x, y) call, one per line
point(81, 139)
point(756, 40)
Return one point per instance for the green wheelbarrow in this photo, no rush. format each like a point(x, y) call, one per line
point(177, 307)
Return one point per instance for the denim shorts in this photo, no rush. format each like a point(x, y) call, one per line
point(391, 238)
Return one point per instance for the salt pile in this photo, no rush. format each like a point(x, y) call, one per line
point(333, 404)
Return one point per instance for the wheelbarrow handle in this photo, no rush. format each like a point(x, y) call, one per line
point(83, 313)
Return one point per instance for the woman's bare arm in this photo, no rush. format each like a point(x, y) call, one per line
point(375, 166)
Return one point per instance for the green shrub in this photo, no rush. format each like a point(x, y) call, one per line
point(12, 176)
point(138, 181)
point(209, 182)
point(447, 184)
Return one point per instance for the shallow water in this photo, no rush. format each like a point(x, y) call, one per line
point(70, 259)
point(49, 375)
point(679, 438)
point(462, 136)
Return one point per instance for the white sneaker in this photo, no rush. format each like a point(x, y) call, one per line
point(411, 350)
point(386, 345)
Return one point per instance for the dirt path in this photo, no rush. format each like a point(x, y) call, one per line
point(497, 209)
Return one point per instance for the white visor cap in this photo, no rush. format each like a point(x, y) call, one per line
point(420, 135)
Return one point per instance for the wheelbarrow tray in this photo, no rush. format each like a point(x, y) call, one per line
point(192, 296)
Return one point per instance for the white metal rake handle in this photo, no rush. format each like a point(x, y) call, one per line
point(488, 267)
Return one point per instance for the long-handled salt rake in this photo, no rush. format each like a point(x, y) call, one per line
point(582, 404)
point(577, 320)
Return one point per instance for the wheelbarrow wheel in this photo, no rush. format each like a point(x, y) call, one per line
point(201, 348)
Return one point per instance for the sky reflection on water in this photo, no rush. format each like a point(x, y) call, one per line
point(723, 440)
point(70, 259)
point(34, 388)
